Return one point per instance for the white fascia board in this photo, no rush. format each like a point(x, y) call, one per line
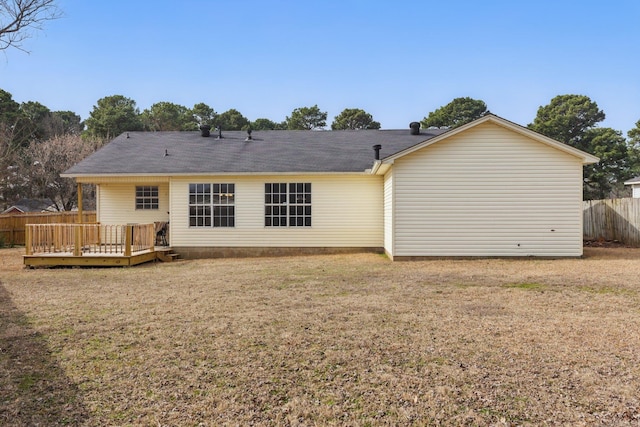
point(167, 176)
point(375, 167)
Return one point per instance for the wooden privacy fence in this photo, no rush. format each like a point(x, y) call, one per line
point(87, 239)
point(13, 226)
point(612, 219)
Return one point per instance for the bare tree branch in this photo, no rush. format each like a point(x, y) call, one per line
point(10, 181)
point(43, 162)
point(19, 17)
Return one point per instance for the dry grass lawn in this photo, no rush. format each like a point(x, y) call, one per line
point(323, 340)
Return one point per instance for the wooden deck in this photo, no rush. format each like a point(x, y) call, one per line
point(92, 245)
point(94, 260)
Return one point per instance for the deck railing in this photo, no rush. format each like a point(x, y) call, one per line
point(83, 239)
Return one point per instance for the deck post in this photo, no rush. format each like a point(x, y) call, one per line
point(79, 191)
point(127, 240)
point(27, 240)
point(77, 238)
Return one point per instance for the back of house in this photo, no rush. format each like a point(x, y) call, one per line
point(488, 188)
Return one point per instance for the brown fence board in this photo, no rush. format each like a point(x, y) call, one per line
point(12, 226)
point(612, 219)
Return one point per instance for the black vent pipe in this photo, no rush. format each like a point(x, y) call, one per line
point(376, 149)
point(205, 130)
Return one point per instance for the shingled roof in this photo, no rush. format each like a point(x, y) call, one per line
point(635, 180)
point(31, 205)
point(171, 153)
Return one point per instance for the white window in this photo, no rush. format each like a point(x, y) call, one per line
point(212, 205)
point(147, 197)
point(287, 204)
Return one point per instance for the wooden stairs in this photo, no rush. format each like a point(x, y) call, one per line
point(166, 255)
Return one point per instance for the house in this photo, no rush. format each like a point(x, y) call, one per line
point(635, 187)
point(488, 188)
point(30, 205)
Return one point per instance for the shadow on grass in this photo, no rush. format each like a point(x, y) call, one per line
point(613, 253)
point(34, 389)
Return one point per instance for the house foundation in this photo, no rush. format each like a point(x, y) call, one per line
point(187, 252)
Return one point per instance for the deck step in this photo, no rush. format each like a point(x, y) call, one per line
point(166, 255)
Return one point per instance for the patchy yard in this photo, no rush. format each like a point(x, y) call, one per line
point(326, 340)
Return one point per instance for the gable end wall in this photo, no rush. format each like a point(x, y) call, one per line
point(488, 192)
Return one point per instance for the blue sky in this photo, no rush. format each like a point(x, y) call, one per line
point(398, 60)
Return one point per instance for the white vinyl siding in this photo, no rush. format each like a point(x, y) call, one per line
point(388, 212)
point(347, 212)
point(635, 191)
point(487, 192)
point(117, 204)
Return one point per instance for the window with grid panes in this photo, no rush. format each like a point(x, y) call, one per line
point(147, 197)
point(287, 204)
point(212, 205)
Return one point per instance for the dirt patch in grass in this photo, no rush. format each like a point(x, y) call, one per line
point(324, 340)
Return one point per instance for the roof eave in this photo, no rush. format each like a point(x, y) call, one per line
point(206, 173)
point(381, 167)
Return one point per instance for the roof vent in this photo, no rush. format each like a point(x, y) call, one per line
point(415, 128)
point(219, 128)
point(248, 135)
point(205, 130)
point(376, 149)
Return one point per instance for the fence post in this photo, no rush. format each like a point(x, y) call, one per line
point(12, 235)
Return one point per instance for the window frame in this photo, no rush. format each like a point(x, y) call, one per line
point(212, 205)
point(147, 197)
point(287, 204)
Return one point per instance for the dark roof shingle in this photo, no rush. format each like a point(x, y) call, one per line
point(268, 151)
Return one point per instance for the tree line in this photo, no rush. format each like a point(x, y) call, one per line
point(115, 114)
point(37, 144)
